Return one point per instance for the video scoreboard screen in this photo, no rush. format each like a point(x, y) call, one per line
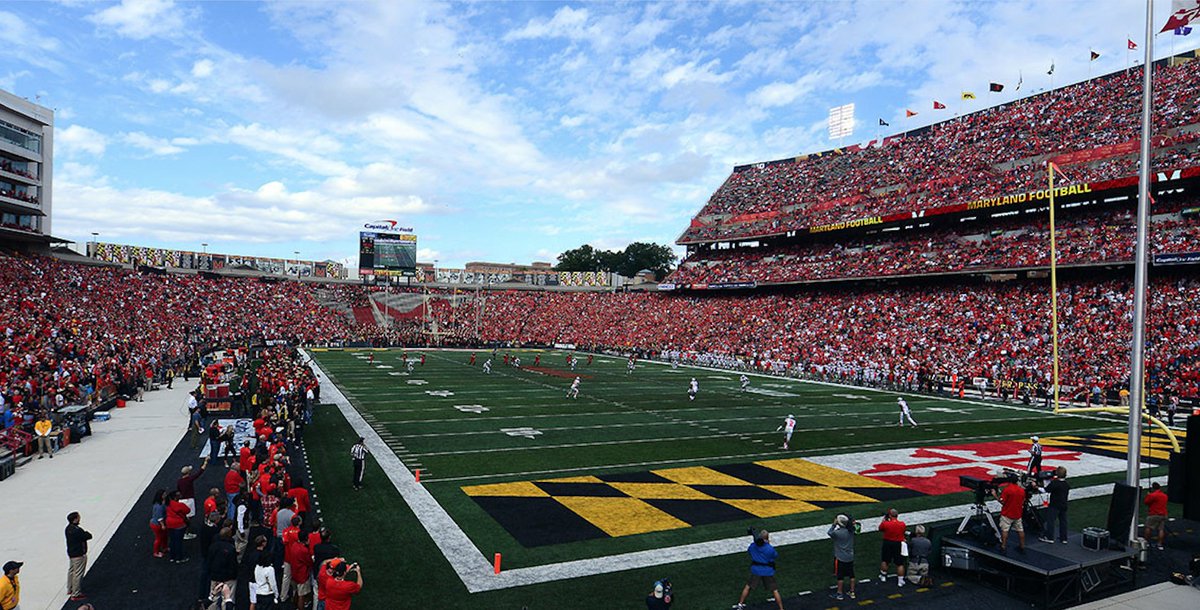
point(387, 254)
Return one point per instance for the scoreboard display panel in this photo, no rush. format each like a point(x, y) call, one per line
point(383, 254)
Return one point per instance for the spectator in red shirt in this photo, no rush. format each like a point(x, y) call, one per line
point(233, 486)
point(1156, 520)
point(340, 582)
point(298, 556)
point(245, 459)
point(299, 494)
point(177, 516)
point(893, 539)
point(1012, 508)
point(210, 503)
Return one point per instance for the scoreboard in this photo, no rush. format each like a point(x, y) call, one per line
point(385, 250)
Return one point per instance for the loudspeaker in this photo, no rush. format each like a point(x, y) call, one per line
point(1177, 483)
point(1122, 510)
point(1191, 461)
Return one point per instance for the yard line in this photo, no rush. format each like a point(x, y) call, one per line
point(572, 445)
point(700, 461)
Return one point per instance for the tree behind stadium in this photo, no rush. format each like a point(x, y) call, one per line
point(628, 262)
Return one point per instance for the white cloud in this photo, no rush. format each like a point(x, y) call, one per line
point(566, 23)
point(783, 94)
point(141, 19)
point(77, 140)
point(572, 121)
point(202, 68)
point(151, 144)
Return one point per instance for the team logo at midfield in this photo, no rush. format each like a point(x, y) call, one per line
point(935, 470)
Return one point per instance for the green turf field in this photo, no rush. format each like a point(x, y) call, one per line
point(631, 465)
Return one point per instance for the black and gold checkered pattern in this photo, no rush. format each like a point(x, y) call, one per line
point(1155, 446)
point(553, 511)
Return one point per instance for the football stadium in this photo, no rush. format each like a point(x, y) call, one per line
point(251, 358)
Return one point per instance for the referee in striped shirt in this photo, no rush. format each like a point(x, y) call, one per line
point(359, 453)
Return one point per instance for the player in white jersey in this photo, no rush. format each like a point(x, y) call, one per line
point(904, 412)
point(573, 360)
point(746, 386)
point(409, 365)
point(629, 366)
point(574, 391)
point(487, 366)
point(674, 363)
point(788, 426)
point(517, 362)
point(693, 388)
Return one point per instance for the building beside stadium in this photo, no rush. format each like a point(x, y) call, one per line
point(26, 167)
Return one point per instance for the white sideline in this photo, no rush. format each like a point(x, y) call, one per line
point(475, 569)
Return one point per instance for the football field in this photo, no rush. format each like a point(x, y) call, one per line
point(633, 473)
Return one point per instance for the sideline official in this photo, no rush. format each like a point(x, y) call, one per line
point(358, 453)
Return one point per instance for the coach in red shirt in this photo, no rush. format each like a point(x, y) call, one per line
point(1012, 507)
point(893, 540)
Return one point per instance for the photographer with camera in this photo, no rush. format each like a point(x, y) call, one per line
point(1012, 507)
point(893, 546)
point(842, 533)
point(1058, 488)
point(919, 550)
point(762, 568)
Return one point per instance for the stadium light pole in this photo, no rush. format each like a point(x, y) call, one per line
point(95, 235)
point(1137, 374)
point(204, 248)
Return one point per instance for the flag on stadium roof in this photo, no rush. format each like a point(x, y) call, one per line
point(995, 87)
point(1130, 44)
point(909, 114)
point(1183, 31)
point(1051, 70)
point(967, 95)
point(1183, 12)
point(1095, 56)
point(883, 123)
point(938, 105)
point(1021, 79)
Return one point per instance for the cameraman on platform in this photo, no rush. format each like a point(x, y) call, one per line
point(1012, 508)
point(1058, 488)
point(762, 569)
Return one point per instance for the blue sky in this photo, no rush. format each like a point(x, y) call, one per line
point(500, 131)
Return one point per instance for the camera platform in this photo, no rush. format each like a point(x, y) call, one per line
point(1048, 575)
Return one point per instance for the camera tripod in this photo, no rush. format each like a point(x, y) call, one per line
point(979, 511)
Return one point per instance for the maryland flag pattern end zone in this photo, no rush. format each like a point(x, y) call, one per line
point(555, 511)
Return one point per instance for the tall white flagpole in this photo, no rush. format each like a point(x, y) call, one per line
point(1137, 371)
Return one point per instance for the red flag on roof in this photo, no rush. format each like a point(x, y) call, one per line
point(909, 114)
point(938, 105)
point(1131, 44)
point(1183, 12)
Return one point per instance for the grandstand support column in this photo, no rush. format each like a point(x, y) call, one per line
point(1137, 373)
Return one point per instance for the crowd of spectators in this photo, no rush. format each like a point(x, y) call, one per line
point(1094, 237)
point(881, 335)
point(79, 334)
point(993, 152)
point(14, 168)
point(258, 538)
